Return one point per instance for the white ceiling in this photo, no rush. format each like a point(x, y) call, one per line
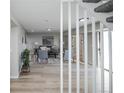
point(33, 14)
point(39, 15)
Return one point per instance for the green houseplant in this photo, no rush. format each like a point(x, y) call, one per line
point(25, 58)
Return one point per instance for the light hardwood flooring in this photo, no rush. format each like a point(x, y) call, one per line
point(45, 78)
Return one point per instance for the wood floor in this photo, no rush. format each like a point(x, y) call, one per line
point(45, 78)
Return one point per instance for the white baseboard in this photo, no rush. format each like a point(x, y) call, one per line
point(14, 77)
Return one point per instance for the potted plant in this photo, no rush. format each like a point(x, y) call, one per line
point(25, 58)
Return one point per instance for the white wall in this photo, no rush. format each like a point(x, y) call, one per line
point(21, 46)
point(35, 37)
point(13, 54)
point(16, 48)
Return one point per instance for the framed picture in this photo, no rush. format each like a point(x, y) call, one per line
point(48, 40)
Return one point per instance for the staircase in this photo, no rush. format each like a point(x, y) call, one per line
point(102, 10)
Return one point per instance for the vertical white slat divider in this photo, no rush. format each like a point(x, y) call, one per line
point(110, 62)
point(98, 52)
point(94, 54)
point(102, 57)
point(61, 46)
point(77, 48)
point(69, 48)
point(85, 53)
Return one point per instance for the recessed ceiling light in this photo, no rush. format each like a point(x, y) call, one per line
point(104, 1)
point(36, 43)
point(82, 19)
point(49, 29)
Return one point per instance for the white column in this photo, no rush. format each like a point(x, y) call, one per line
point(110, 62)
point(102, 57)
point(94, 54)
point(77, 48)
point(85, 53)
point(69, 47)
point(61, 47)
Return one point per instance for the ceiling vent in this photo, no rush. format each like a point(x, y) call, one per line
point(106, 7)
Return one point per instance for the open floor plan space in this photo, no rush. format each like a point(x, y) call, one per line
point(61, 46)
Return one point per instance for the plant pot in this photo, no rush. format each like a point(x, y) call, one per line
point(25, 69)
